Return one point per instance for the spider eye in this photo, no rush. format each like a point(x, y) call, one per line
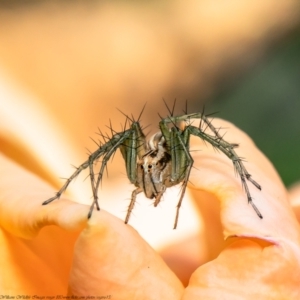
point(150, 166)
point(142, 167)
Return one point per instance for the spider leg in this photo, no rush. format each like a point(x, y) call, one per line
point(188, 164)
point(95, 184)
point(106, 150)
point(132, 202)
point(217, 137)
point(130, 143)
point(228, 149)
point(216, 140)
point(93, 157)
point(177, 143)
point(158, 196)
point(65, 186)
point(95, 194)
point(230, 146)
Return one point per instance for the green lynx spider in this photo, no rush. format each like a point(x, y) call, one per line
point(163, 161)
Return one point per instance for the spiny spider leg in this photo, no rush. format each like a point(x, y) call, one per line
point(95, 196)
point(187, 170)
point(162, 162)
point(177, 143)
point(114, 147)
point(228, 150)
point(216, 140)
point(132, 203)
point(65, 186)
point(93, 157)
point(107, 149)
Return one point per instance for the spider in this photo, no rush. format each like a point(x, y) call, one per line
point(161, 162)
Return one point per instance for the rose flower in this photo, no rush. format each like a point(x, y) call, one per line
point(55, 250)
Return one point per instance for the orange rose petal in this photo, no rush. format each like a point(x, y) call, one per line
point(184, 257)
point(248, 270)
point(294, 196)
point(34, 257)
point(215, 175)
point(264, 262)
point(112, 259)
point(21, 211)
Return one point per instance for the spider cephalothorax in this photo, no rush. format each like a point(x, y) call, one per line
point(153, 170)
point(162, 162)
